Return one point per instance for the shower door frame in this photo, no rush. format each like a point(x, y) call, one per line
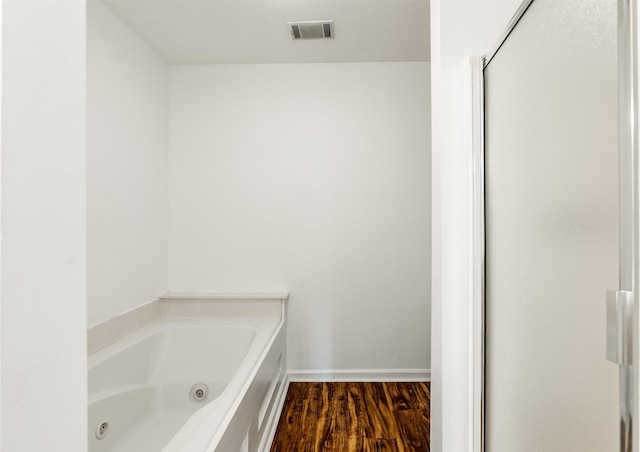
point(629, 222)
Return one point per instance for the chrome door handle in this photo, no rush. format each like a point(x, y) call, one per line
point(619, 327)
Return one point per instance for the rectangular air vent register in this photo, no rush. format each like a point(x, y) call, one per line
point(313, 29)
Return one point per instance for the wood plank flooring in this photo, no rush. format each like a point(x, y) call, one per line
point(354, 417)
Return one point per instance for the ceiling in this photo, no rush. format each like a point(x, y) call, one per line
point(252, 31)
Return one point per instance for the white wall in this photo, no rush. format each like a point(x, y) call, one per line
point(459, 29)
point(311, 178)
point(127, 152)
point(43, 289)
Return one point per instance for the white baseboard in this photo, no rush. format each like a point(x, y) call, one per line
point(274, 416)
point(404, 375)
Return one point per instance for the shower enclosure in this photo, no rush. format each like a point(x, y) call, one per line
point(556, 228)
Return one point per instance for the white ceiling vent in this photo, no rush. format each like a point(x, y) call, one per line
point(313, 29)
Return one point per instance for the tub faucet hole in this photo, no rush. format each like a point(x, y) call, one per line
point(199, 392)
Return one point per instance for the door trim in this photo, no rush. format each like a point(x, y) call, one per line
point(477, 337)
point(476, 66)
point(628, 209)
point(629, 216)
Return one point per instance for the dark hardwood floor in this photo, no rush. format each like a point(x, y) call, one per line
point(354, 417)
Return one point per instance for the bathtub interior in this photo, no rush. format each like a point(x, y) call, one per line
point(142, 387)
point(136, 420)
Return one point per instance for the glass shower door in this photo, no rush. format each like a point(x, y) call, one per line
point(551, 172)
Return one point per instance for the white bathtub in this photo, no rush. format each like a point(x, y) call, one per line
point(140, 386)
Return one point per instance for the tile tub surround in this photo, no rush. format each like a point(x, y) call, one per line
point(186, 305)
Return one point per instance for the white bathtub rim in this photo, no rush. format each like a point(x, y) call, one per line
point(169, 323)
point(194, 436)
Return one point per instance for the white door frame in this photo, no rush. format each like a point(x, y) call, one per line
point(478, 307)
